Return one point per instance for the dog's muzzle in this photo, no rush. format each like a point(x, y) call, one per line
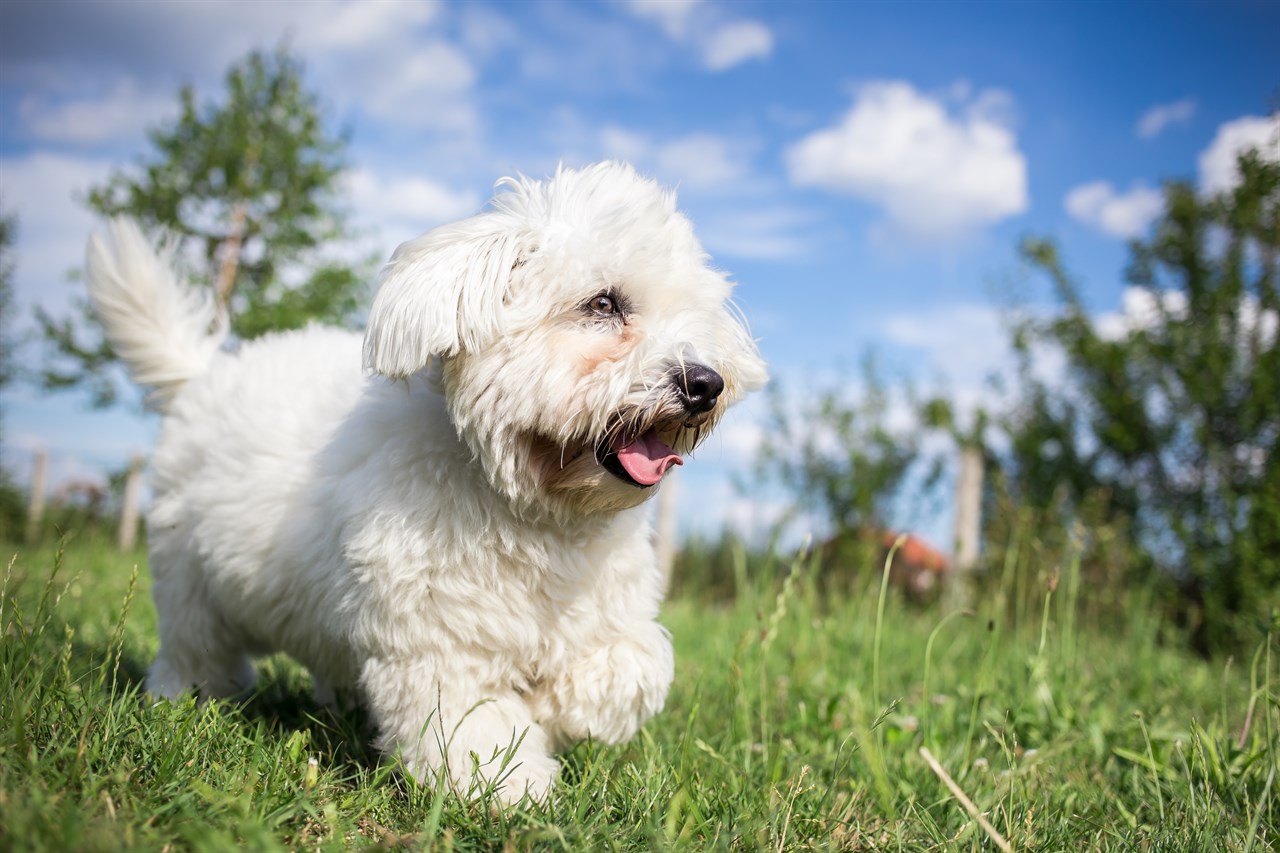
point(699, 387)
point(642, 459)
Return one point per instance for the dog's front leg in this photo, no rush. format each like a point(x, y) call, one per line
point(608, 692)
point(441, 721)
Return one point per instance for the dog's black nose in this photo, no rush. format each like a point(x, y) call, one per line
point(699, 387)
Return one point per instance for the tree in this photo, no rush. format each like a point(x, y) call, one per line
point(249, 186)
point(1175, 418)
point(10, 496)
point(843, 461)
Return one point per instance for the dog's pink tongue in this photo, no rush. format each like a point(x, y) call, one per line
point(647, 458)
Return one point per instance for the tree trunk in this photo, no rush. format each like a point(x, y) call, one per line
point(230, 261)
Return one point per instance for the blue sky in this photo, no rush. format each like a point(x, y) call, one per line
point(863, 169)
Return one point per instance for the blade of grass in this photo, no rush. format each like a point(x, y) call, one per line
point(973, 811)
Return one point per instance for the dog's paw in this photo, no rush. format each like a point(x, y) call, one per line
point(506, 778)
point(609, 693)
point(210, 678)
point(529, 776)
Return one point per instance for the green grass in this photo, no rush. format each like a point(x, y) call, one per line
point(796, 721)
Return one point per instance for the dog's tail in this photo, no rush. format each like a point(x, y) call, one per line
point(163, 329)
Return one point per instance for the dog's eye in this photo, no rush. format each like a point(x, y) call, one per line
point(603, 305)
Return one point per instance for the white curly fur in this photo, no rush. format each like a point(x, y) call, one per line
point(438, 533)
point(164, 330)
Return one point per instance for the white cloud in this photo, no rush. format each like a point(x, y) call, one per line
point(1125, 215)
point(965, 342)
point(485, 33)
point(757, 233)
point(1156, 119)
point(348, 26)
point(741, 438)
point(700, 160)
point(622, 144)
point(1218, 172)
point(171, 43)
point(721, 42)
point(1142, 310)
point(44, 191)
point(696, 160)
point(43, 187)
point(736, 43)
point(968, 349)
point(988, 106)
point(167, 42)
point(715, 168)
point(424, 84)
point(382, 59)
point(123, 113)
point(672, 16)
point(936, 174)
point(399, 207)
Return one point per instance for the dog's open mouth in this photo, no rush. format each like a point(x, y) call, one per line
point(641, 461)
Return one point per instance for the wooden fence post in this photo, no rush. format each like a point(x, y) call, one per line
point(967, 527)
point(128, 536)
point(35, 507)
point(664, 534)
point(968, 520)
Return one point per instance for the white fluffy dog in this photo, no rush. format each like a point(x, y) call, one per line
point(455, 529)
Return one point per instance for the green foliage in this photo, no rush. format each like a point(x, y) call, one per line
point(1174, 423)
point(716, 570)
point(795, 723)
point(839, 458)
point(250, 186)
point(11, 499)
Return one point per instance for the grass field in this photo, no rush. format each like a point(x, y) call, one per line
point(797, 721)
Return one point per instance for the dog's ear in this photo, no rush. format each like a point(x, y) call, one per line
point(440, 294)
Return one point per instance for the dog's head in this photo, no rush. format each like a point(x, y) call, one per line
point(584, 344)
